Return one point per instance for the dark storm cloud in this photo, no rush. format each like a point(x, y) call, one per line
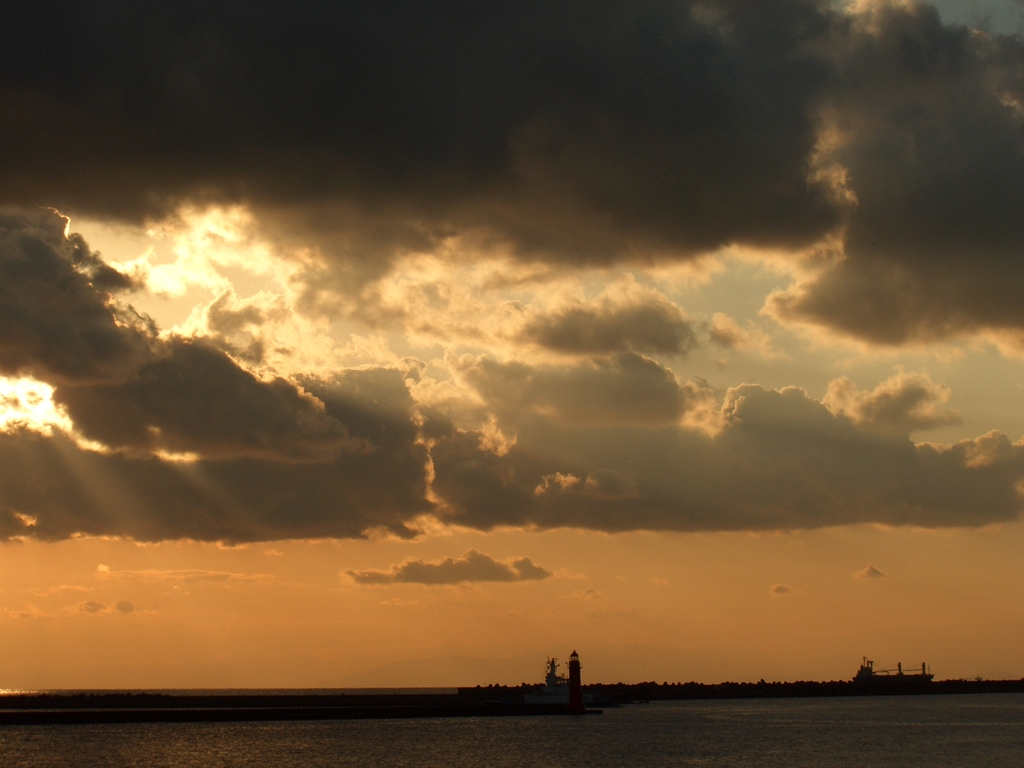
point(578, 132)
point(230, 327)
point(596, 444)
point(616, 130)
point(121, 383)
point(51, 489)
point(194, 398)
point(930, 132)
point(473, 566)
point(652, 326)
point(780, 460)
point(68, 491)
point(335, 458)
point(56, 322)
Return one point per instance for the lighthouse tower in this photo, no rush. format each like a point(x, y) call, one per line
point(575, 686)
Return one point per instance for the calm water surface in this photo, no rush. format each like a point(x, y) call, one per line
point(973, 731)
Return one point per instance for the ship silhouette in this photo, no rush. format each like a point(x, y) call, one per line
point(556, 687)
point(894, 678)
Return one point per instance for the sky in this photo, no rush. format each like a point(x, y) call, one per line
point(404, 344)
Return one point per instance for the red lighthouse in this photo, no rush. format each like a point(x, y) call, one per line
point(575, 686)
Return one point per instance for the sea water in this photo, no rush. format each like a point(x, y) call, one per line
point(976, 731)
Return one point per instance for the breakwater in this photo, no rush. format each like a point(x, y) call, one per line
point(478, 701)
point(619, 693)
point(80, 708)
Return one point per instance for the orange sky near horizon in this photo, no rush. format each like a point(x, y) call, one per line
point(665, 607)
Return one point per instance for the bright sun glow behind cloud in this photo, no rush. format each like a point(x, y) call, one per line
point(204, 242)
point(28, 404)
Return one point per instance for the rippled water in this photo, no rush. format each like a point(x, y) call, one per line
point(933, 731)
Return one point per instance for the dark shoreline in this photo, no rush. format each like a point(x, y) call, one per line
point(489, 701)
point(879, 686)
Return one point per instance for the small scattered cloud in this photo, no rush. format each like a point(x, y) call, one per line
point(184, 576)
point(627, 388)
point(779, 589)
point(398, 601)
point(569, 573)
point(870, 573)
point(726, 332)
point(90, 606)
point(648, 324)
point(905, 402)
point(589, 594)
point(227, 547)
point(44, 591)
point(472, 566)
point(272, 553)
point(123, 606)
point(30, 612)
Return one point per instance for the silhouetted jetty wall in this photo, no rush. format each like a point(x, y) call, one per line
point(605, 694)
point(82, 708)
point(800, 689)
point(479, 701)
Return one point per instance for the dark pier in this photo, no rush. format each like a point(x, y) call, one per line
point(81, 708)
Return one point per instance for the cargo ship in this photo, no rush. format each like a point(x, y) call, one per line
point(893, 678)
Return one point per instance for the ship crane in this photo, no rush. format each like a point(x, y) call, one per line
point(897, 670)
point(867, 672)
